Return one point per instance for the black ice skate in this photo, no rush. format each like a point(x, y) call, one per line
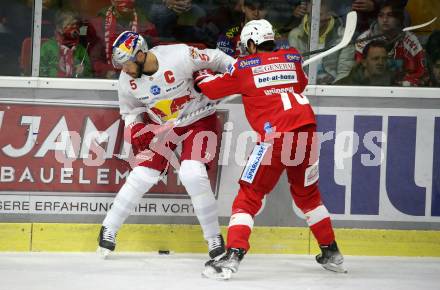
point(223, 267)
point(331, 259)
point(107, 242)
point(216, 246)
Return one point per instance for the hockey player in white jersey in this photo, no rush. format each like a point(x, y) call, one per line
point(160, 82)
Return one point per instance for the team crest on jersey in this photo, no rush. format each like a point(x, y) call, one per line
point(290, 57)
point(155, 90)
point(249, 62)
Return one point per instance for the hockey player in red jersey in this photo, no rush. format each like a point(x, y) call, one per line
point(271, 83)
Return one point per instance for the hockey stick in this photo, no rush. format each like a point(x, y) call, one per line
point(409, 28)
point(350, 28)
point(415, 27)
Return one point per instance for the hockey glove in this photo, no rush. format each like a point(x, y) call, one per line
point(139, 140)
point(201, 75)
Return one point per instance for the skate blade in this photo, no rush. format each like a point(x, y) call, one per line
point(217, 273)
point(335, 268)
point(103, 252)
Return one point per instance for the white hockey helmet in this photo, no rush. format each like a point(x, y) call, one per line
point(257, 30)
point(126, 46)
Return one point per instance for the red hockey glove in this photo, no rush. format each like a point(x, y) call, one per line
point(139, 142)
point(201, 75)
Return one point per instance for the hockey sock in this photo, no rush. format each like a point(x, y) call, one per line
point(194, 177)
point(239, 231)
point(140, 180)
point(320, 224)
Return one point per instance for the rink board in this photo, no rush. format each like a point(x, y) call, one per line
point(40, 237)
point(390, 208)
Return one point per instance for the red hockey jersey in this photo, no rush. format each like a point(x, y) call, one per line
point(271, 84)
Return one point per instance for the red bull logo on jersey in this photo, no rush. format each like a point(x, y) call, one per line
point(169, 109)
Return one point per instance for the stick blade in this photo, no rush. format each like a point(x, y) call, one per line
point(420, 25)
point(350, 28)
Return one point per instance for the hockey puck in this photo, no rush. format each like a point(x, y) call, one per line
point(164, 252)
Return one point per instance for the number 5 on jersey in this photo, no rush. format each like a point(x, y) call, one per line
point(133, 84)
point(287, 104)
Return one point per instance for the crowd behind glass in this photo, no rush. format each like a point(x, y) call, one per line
point(76, 36)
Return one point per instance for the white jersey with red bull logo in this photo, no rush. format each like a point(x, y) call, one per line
point(169, 93)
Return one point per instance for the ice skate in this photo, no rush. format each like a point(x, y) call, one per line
point(223, 267)
point(216, 246)
point(107, 242)
point(331, 259)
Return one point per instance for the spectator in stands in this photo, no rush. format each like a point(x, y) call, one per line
point(63, 55)
point(9, 45)
point(335, 66)
point(367, 11)
point(434, 70)
point(404, 49)
point(433, 43)
point(298, 9)
point(219, 18)
point(177, 20)
point(433, 59)
point(372, 70)
point(229, 42)
point(17, 22)
point(104, 29)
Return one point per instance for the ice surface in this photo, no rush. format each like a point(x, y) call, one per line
point(131, 271)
